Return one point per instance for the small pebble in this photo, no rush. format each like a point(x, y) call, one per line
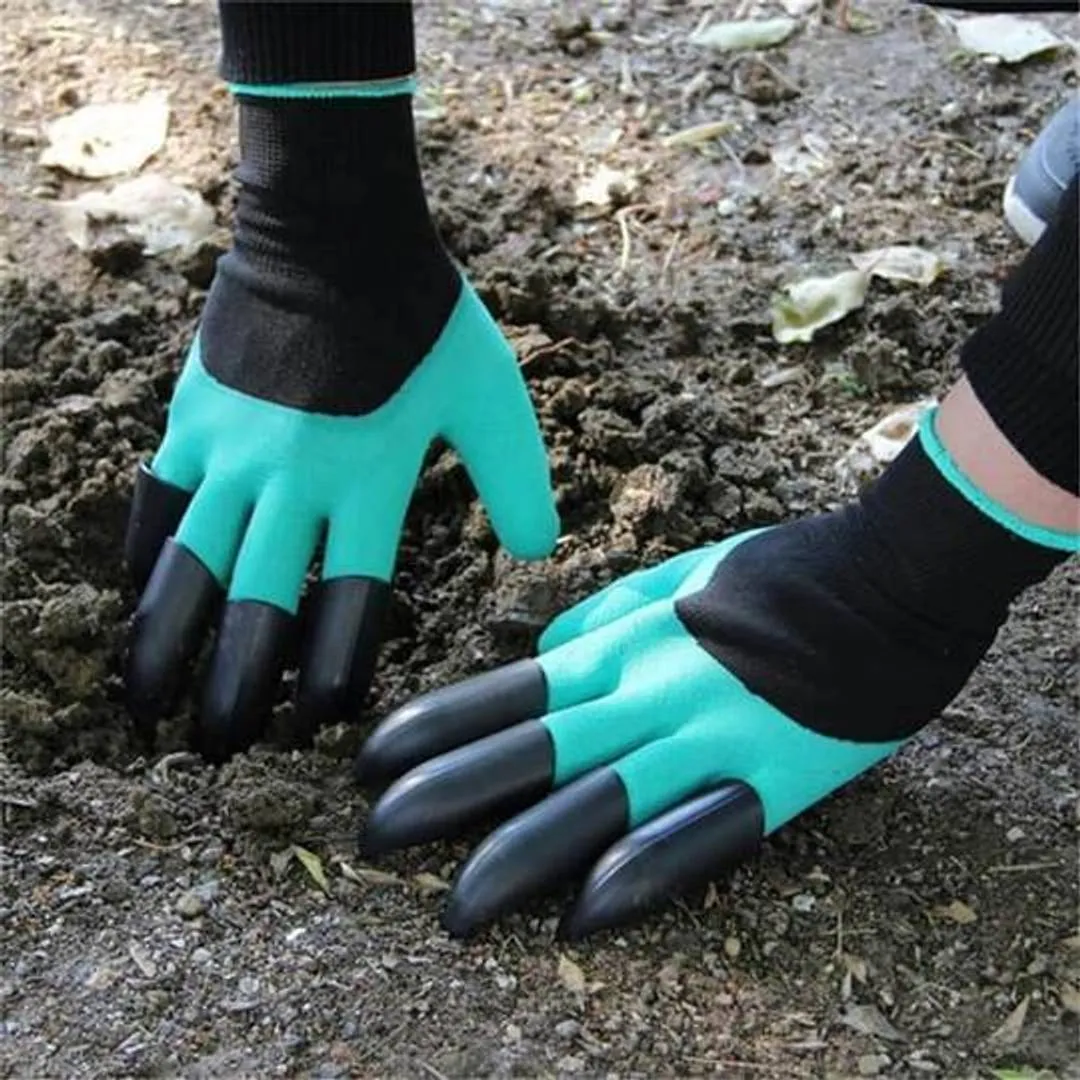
point(569, 1064)
point(190, 905)
point(567, 1029)
point(732, 947)
point(872, 1064)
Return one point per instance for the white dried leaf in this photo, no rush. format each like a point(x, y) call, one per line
point(1069, 996)
point(958, 912)
point(604, 186)
point(901, 262)
point(151, 209)
point(700, 133)
point(1006, 37)
point(882, 443)
point(571, 976)
point(799, 7)
point(107, 139)
point(745, 34)
point(367, 875)
point(1009, 1032)
point(802, 309)
point(868, 1020)
point(430, 883)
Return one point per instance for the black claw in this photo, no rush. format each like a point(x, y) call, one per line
point(174, 611)
point(673, 853)
point(443, 796)
point(444, 719)
point(156, 511)
point(243, 679)
point(340, 650)
point(539, 849)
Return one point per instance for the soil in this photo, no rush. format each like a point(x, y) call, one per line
point(152, 922)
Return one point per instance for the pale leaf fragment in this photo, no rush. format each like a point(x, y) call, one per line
point(868, 1020)
point(1069, 997)
point(430, 883)
point(605, 186)
point(802, 309)
point(367, 875)
point(900, 263)
point(745, 34)
point(571, 976)
point(107, 139)
point(1009, 1032)
point(958, 911)
point(700, 133)
point(151, 209)
point(313, 865)
point(799, 7)
point(1006, 37)
point(882, 443)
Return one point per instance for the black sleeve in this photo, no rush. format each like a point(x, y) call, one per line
point(1024, 364)
point(288, 42)
point(996, 7)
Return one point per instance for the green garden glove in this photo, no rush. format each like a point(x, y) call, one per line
point(338, 342)
point(682, 714)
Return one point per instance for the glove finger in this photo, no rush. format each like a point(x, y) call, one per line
point(180, 599)
point(501, 773)
point(173, 614)
point(536, 851)
point(157, 508)
point(620, 598)
point(454, 716)
point(344, 629)
point(346, 610)
point(493, 427)
point(678, 851)
point(440, 798)
point(252, 643)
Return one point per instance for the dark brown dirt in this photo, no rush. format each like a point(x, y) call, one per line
point(149, 925)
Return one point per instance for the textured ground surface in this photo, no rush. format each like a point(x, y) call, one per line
point(148, 924)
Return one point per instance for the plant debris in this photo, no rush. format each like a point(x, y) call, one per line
point(1006, 38)
point(901, 263)
point(103, 140)
point(746, 34)
point(802, 309)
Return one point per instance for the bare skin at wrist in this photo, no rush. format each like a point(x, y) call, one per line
point(992, 464)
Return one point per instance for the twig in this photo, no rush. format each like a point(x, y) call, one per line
point(667, 261)
point(624, 229)
point(1020, 868)
point(430, 1069)
point(545, 350)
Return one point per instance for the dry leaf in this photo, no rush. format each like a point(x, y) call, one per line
point(605, 186)
point(1009, 1032)
point(745, 34)
point(430, 883)
point(1006, 37)
point(958, 911)
point(1069, 996)
point(805, 307)
point(881, 444)
point(142, 960)
point(901, 263)
point(571, 976)
point(856, 965)
point(279, 862)
point(700, 133)
point(107, 140)
point(150, 209)
point(313, 865)
point(868, 1020)
point(367, 875)
point(799, 7)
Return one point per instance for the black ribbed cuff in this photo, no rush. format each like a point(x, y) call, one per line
point(289, 42)
point(1024, 364)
